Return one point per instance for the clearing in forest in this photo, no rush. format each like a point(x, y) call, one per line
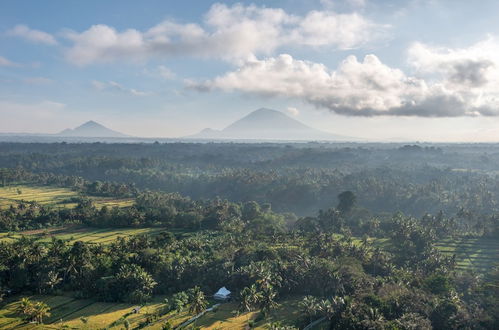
point(72, 234)
point(53, 196)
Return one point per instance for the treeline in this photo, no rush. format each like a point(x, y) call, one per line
point(298, 178)
point(172, 210)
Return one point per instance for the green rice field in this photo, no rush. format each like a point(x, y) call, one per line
point(72, 234)
point(478, 254)
point(53, 196)
point(71, 313)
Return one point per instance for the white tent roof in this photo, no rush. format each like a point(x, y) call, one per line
point(222, 292)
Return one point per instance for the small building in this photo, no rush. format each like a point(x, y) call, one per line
point(222, 294)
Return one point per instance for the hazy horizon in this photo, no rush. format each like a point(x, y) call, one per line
point(378, 70)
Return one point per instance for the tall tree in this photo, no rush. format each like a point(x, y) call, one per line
point(346, 201)
point(197, 300)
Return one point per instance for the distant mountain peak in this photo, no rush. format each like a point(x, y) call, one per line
point(267, 124)
point(91, 123)
point(91, 129)
point(265, 111)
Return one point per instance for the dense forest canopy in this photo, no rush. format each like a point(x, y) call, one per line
point(299, 178)
point(352, 230)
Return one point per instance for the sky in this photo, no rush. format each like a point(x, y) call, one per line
point(384, 70)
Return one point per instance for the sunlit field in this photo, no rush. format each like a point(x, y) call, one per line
point(68, 312)
point(52, 196)
point(477, 254)
point(72, 234)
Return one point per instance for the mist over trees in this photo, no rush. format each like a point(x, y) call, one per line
point(351, 230)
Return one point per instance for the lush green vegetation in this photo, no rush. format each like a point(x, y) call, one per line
point(371, 237)
point(298, 178)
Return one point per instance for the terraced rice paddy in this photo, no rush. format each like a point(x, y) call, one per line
point(77, 233)
point(68, 312)
point(54, 196)
point(478, 254)
point(226, 316)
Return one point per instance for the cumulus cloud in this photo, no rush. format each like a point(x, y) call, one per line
point(446, 83)
point(228, 32)
point(472, 67)
point(36, 36)
point(116, 87)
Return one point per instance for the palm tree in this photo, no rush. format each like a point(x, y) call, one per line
point(25, 307)
point(337, 283)
point(254, 295)
point(40, 311)
point(309, 306)
point(197, 301)
point(33, 311)
point(245, 300)
point(268, 302)
point(52, 279)
point(249, 298)
point(327, 309)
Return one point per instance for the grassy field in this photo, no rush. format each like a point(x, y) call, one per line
point(72, 234)
point(54, 196)
point(70, 313)
point(477, 254)
point(226, 316)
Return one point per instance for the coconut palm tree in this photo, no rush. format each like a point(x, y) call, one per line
point(33, 311)
point(255, 295)
point(327, 309)
point(25, 307)
point(52, 279)
point(245, 301)
point(309, 306)
point(197, 301)
point(40, 311)
point(268, 302)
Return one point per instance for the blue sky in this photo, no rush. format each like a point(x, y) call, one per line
point(383, 70)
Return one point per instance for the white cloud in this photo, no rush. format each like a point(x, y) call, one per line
point(448, 83)
point(231, 33)
point(32, 35)
point(293, 111)
point(345, 31)
point(116, 87)
point(474, 67)
point(6, 62)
